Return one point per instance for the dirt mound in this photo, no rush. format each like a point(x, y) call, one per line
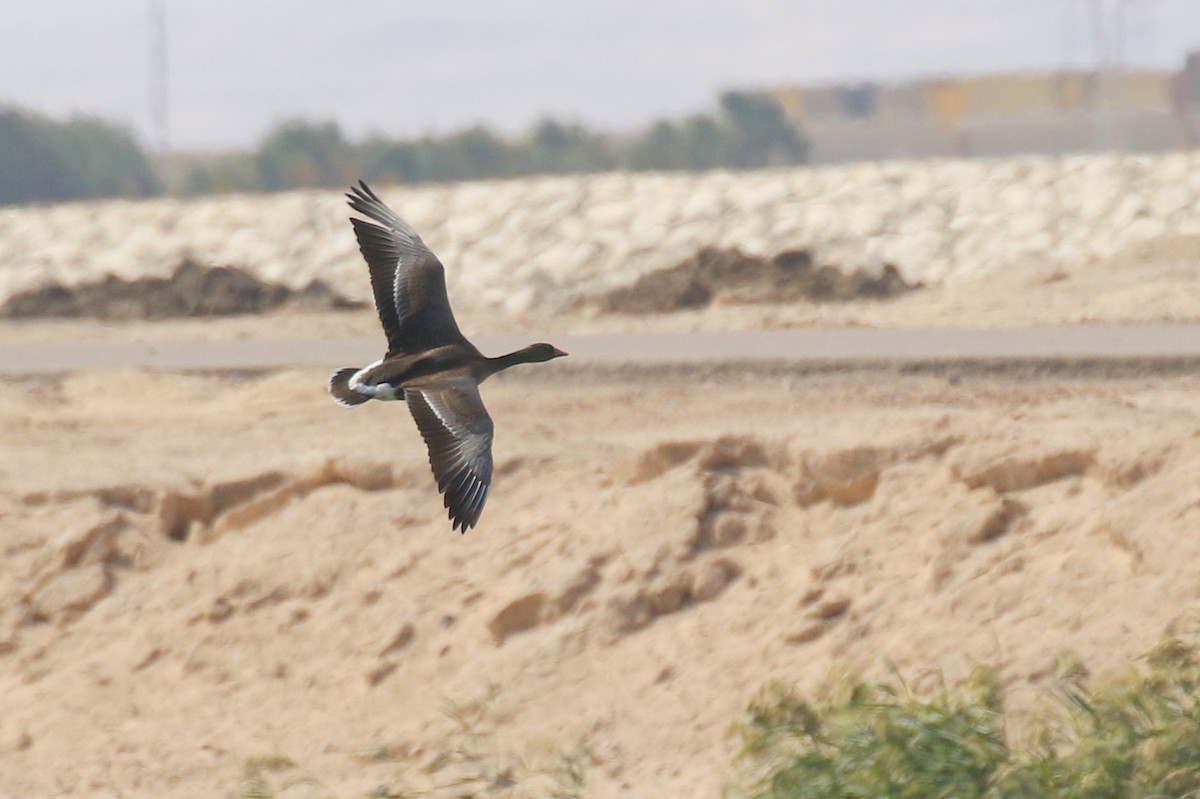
point(732, 277)
point(193, 290)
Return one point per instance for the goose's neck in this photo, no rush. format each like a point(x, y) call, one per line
point(502, 362)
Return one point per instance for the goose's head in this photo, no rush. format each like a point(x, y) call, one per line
point(538, 353)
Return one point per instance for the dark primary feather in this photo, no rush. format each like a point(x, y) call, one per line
point(407, 279)
point(458, 433)
point(377, 248)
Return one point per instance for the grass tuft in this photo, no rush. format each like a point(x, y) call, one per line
point(468, 762)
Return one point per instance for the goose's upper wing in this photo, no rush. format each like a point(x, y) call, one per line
point(458, 432)
point(407, 279)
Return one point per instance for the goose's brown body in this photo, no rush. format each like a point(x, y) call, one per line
point(440, 363)
point(429, 363)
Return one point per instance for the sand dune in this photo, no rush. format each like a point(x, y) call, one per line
point(206, 571)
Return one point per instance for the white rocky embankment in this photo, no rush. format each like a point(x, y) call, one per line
point(552, 240)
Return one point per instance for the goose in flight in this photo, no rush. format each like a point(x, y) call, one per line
point(429, 364)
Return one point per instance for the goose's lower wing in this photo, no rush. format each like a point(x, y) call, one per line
point(458, 433)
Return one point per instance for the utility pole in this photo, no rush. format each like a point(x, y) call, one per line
point(1109, 34)
point(158, 80)
point(1100, 13)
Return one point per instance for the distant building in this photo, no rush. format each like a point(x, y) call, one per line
point(996, 115)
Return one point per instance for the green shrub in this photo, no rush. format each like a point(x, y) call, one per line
point(1131, 736)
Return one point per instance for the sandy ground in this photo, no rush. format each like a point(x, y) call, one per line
point(215, 578)
point(205, 576)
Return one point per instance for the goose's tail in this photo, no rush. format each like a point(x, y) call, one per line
point(339, 388)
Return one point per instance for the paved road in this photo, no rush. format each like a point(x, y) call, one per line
point(797, 346)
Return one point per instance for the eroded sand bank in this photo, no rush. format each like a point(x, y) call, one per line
point(200, 571)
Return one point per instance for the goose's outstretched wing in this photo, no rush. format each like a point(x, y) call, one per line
point(458, 432)
point(407, 279)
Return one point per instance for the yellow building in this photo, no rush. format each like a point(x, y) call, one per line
point(1002, 114)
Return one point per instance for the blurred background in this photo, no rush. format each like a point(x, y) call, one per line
point(884, 343)
point(138, 98)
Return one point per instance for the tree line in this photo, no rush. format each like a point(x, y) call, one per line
point(45, 160)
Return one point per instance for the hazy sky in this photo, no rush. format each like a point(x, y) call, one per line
point(407, 68)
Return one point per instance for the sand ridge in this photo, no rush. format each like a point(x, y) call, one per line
point(204, 570)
